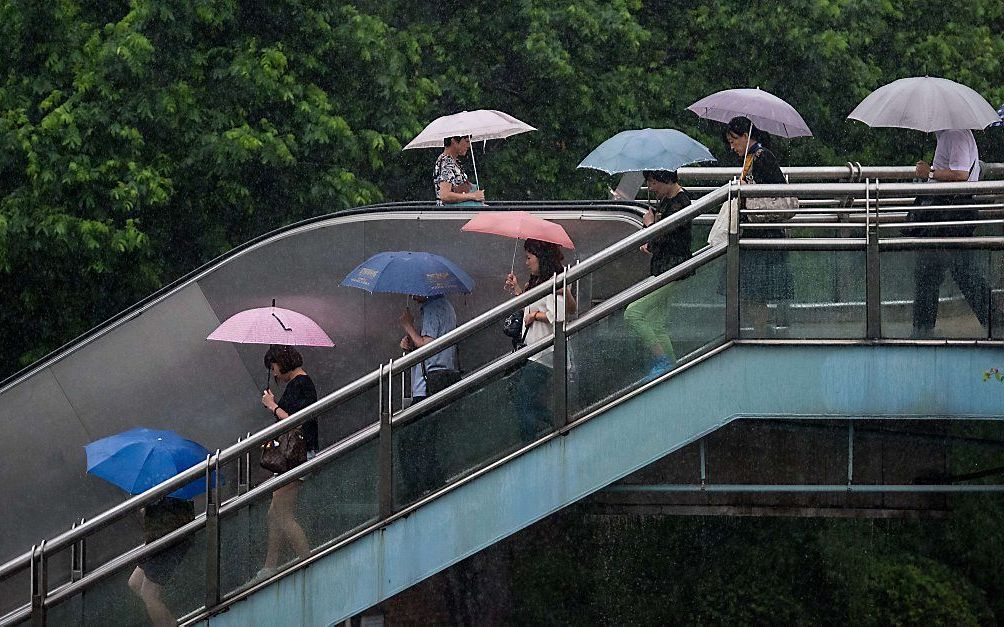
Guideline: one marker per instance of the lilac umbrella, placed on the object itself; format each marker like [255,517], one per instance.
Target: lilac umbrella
[768,112]
[271,325]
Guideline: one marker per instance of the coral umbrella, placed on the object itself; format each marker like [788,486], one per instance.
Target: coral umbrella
[519,225]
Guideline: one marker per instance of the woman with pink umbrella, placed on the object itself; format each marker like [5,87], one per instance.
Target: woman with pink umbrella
[286,365]
[543,260]
[282,329]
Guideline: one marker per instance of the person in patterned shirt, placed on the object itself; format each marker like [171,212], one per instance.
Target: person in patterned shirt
[448,177]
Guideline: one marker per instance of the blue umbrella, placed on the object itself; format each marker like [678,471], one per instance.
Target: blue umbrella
[405,272]
[138,459]
[646,149]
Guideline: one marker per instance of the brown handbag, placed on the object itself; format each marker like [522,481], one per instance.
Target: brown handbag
[287,451]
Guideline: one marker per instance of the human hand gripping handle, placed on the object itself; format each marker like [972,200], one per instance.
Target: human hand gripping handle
[268,400]
[512,284]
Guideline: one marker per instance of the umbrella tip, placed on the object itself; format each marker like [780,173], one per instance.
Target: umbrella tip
[273,302]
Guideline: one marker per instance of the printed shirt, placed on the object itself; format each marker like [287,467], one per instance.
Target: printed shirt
[447,170]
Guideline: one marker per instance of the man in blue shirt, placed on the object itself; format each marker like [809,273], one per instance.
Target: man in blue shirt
[438,318]
[420,440]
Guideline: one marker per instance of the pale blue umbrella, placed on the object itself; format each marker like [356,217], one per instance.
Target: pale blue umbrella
[646,149]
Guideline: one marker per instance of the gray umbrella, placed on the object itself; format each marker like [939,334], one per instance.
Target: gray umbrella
[925,103]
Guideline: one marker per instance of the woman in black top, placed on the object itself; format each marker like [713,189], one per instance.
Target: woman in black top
[764,275]
[286,365]
[647,315]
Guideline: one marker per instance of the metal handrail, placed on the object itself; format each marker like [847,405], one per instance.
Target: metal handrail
[359,386]
[852,171]
[372,379]
[637,207]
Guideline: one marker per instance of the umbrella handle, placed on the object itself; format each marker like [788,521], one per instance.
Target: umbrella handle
[746,152]
[475,164]
[512,266]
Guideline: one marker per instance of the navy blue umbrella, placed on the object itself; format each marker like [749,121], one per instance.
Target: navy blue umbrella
[406,272]
[138,459]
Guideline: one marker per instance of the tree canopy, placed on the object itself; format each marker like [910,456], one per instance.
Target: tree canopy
[140,139]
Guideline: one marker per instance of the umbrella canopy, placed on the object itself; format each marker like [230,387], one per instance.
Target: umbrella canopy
[646,149]
[481,125]
[1000,114]
[138,459]
[925,103]
[271,325]
[406,272]
[768,112]
[520,225]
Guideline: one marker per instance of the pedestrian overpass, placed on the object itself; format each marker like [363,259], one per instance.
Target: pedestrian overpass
[838,355]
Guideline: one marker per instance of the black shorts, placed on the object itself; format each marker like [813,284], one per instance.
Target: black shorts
[158,568]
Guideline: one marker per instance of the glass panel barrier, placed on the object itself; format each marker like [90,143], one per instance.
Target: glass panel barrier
[623,349]
[323,506]
[938,293]
[802,294]
[472,431]
[168,584]
[15,591]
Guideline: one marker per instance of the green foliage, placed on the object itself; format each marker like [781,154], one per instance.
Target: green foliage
[579,569]
[140,138]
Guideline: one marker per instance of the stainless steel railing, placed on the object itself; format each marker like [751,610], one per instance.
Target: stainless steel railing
[380,430]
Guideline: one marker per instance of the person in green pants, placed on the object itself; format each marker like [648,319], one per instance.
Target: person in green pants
[647,315]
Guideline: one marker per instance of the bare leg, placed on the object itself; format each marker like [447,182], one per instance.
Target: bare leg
[282,525]
[150,593]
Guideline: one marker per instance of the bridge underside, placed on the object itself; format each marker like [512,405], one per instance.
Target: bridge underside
[824,387]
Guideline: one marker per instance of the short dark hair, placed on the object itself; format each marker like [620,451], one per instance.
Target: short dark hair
[741,125]
[447,141]
[286,357]
[663,176]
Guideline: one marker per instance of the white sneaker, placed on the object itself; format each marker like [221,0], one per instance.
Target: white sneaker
[263,574]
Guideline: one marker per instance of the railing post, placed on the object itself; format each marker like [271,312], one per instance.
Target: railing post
[213,529]
[873,273]
[386,451]
[732,271]
[39,583]
[77,555]
[850,453]
[559,413]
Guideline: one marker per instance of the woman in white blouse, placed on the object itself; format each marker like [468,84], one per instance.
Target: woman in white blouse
[543,260]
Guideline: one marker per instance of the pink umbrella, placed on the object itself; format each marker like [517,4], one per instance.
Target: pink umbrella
[271,325]
[520,225]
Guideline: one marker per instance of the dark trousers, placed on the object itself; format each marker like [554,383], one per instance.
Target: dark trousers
[929,273]
[420,467]
[533,381]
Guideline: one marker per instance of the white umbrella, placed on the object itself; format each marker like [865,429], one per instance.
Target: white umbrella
[481,125]
[925,103]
